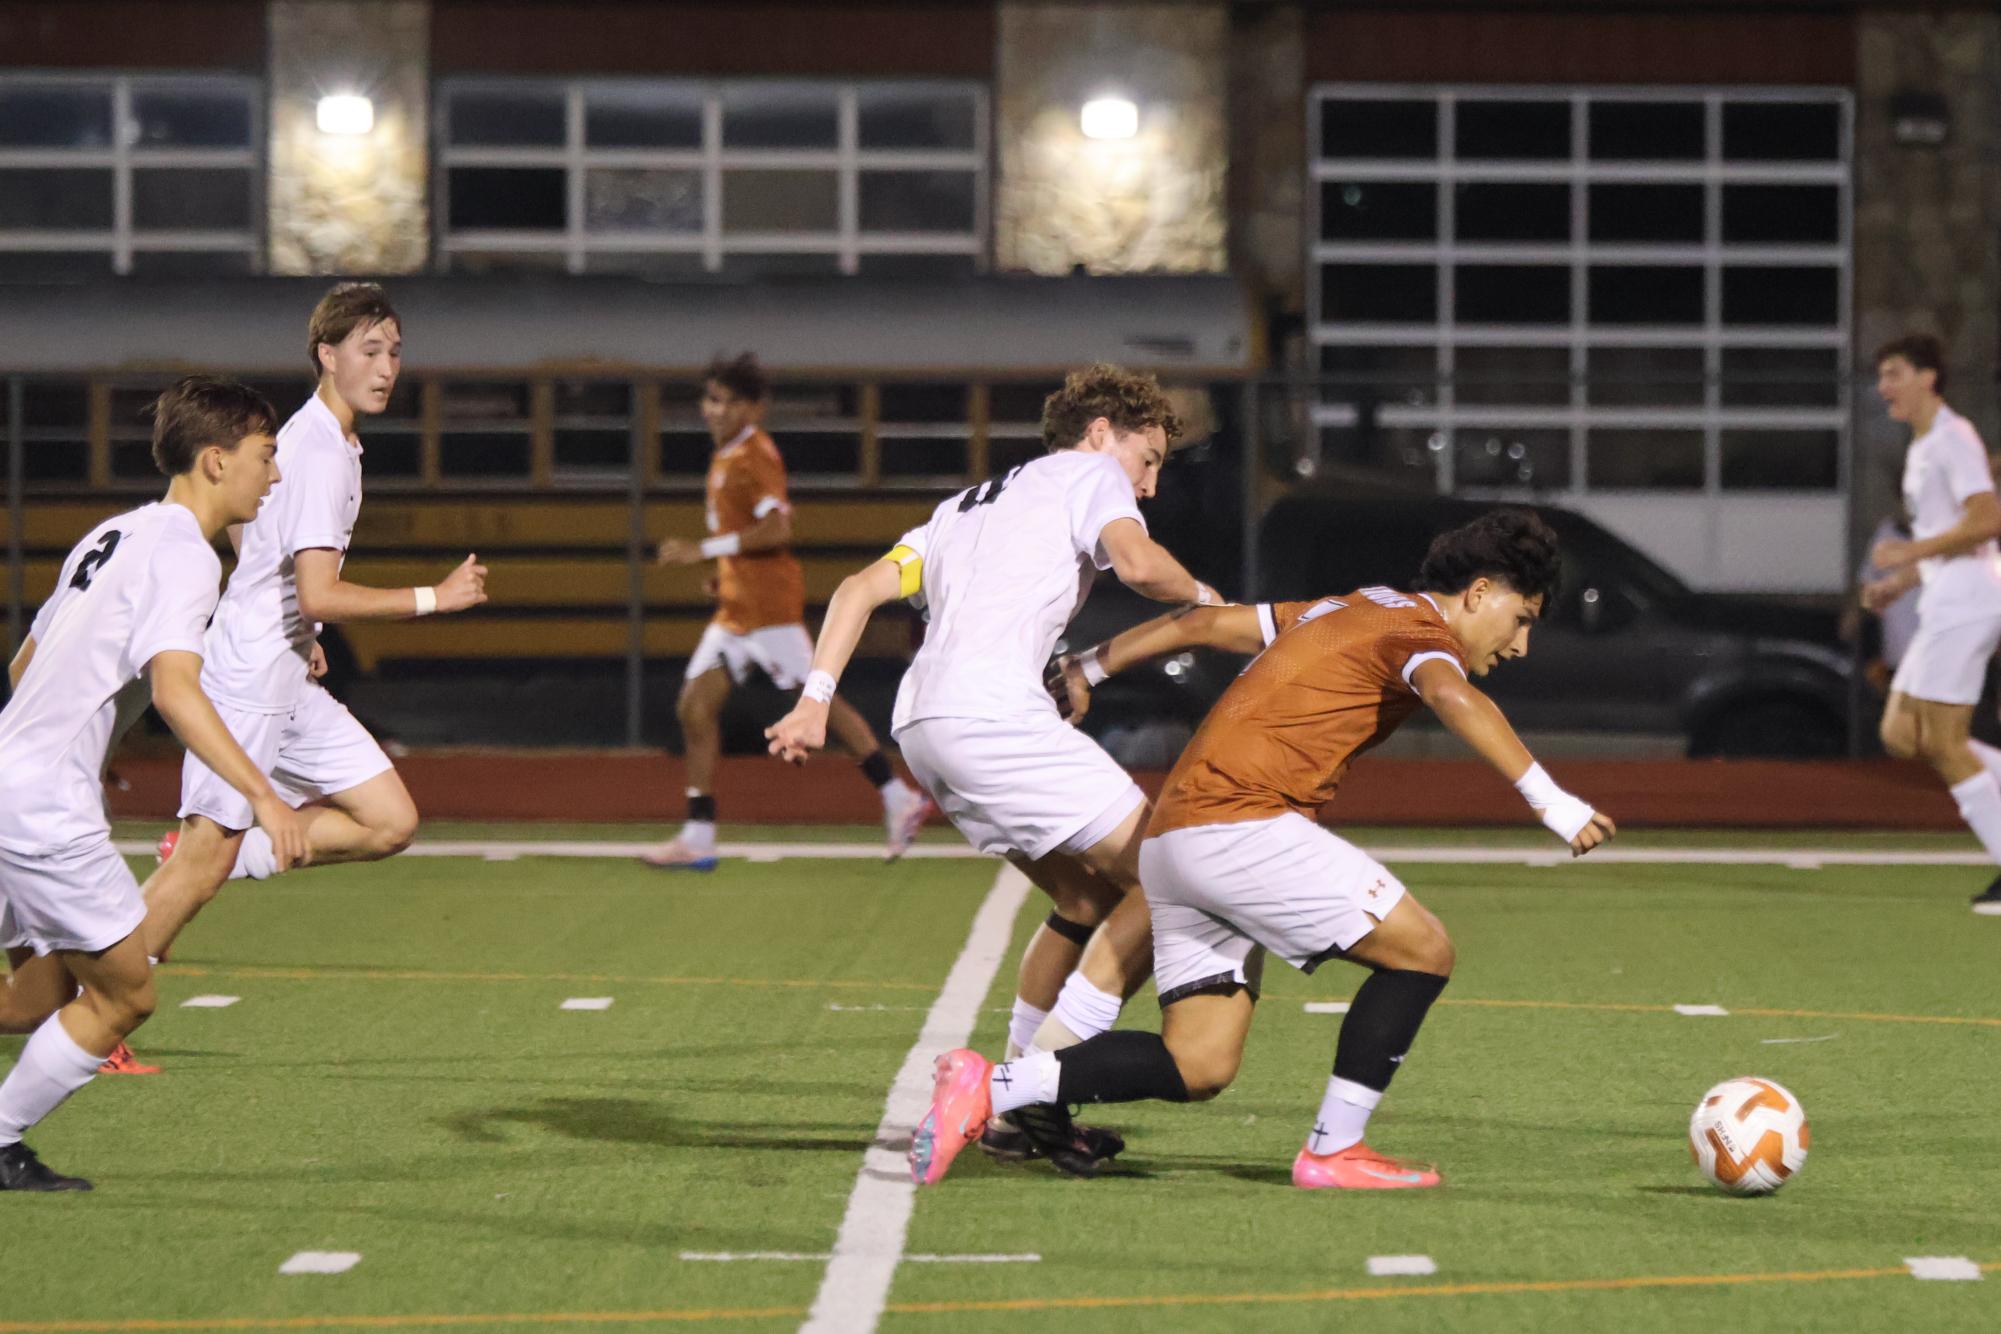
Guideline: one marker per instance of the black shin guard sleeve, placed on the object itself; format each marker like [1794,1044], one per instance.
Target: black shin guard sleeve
[1074,932]
[702,807]
[1382,1022]
[875,768]
[1121,1066]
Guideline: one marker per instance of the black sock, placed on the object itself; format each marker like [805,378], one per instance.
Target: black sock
[702,807]
[1121,1066]
[1382,1022]
[875,768]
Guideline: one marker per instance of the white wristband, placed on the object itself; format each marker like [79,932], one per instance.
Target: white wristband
[1092,664]
[726,545]
[1562,814]
[1206,596]
[819,686]
[427,600]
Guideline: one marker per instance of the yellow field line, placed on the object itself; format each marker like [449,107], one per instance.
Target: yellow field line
[362,974]
[1384,1292]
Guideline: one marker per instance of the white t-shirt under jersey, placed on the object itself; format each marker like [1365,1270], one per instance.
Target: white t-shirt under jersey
[1005,566]
[139,584]
[1945,466]
[259,646]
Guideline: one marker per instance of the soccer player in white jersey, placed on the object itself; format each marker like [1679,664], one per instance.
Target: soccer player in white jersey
[1001,569]
[1955,519]
[263,649]
[131,603]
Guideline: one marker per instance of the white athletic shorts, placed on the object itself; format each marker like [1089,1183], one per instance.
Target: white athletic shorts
[1030,786]
[782,652]
[314,751]
[1219,892]
[1948,665]
[82,897]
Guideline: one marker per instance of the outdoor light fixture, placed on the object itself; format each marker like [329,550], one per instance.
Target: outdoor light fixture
[1110,118]
[346,113]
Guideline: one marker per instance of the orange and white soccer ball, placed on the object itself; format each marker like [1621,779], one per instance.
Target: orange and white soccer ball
[1748,1135]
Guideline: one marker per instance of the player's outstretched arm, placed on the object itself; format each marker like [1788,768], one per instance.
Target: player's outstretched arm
[18,668]
[177,694]
[325,596]
[805,728]
[1475,719]
[1150,569]
[1232,628]
[768,533]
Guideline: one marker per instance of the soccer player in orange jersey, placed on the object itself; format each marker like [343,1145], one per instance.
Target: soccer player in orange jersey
[1235,863]
[760,617]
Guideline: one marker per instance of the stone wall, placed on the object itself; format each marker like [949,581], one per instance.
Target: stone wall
[1153,203]
[341,204]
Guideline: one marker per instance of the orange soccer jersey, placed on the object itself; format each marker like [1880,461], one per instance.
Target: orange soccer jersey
[1332,681]
[759,588]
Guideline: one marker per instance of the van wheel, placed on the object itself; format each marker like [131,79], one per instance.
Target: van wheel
[1772,728]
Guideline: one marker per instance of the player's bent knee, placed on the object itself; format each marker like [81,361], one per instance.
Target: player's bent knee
[396,833]
[1207,1073]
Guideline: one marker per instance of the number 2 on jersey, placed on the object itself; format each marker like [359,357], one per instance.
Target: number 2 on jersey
[93,560]
[986,494]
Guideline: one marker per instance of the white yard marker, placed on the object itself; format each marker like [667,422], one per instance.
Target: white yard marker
[1387,1266]
[870,1242]
[1781,1042]
[1701,1011]
[1954,1268]
[587,1003]
[1803,863]
[321,1262]
[1327,1007]
[209,1002]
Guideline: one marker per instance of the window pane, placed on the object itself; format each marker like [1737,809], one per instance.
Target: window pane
[191,118]
[485,429]
[60,199]
[1647,459]
[394,452]
[1382,292]
[199,198]
[1378,129]
[1780,460]
[779,118]
[899,118]
[1802,214]
[1646,213]
[643,118]
[1646,294]
[1520,375]
[1512,294]
[927,456]
[917,201]
[1497,211]
[1781,295]
[1780,377]
[509,198]
[1782,132]
[780,201]
[1643,131]
[52,116]
[1645,377]
[192,263]
[1507,457]
[22,266]
[483,454]
[523,118]
[1384,373]
[1512,129]
[618,199]
[1378,211]
[922,403]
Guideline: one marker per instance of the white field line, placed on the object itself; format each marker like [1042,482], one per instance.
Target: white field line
[870,1242]
[509,850]
[739,1257]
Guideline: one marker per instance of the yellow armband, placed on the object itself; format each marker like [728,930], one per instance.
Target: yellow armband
[910,570]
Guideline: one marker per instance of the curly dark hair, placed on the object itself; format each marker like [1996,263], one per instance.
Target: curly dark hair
[740,376]
[1924,352]
[1130,400]
[1510,546]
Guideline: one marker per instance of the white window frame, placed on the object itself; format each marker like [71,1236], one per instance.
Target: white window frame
[847,158]
[1448,413]
[122,157]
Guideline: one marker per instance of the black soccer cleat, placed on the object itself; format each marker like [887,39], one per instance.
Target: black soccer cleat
[1988,902]
[1005,1142]
[1056,1137]
[20,1169]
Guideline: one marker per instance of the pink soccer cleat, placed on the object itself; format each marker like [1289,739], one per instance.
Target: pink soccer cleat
[165,847]
[960,1106]
[121,1061]
[902,816]
[681,855]
[1358,1167]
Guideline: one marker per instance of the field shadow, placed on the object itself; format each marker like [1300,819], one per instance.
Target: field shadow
[633,1121]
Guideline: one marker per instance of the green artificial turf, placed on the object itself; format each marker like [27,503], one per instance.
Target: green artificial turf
[397,1079]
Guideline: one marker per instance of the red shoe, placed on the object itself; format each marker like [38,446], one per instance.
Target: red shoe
[1358,1167]
[960,1109]
[165,848]
[123,1062]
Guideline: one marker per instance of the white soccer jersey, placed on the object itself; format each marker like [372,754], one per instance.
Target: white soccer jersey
[259,646]
[138,585]
[1945,466]
[1005,566]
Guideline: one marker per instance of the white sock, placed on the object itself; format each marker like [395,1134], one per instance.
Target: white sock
[1344,1115]
[1979,799]
[895,792]
[51,1068]
[699,833]
[1082,1012]
[255,858]
[1031,1079]
[1021,1027]
[1988,756]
